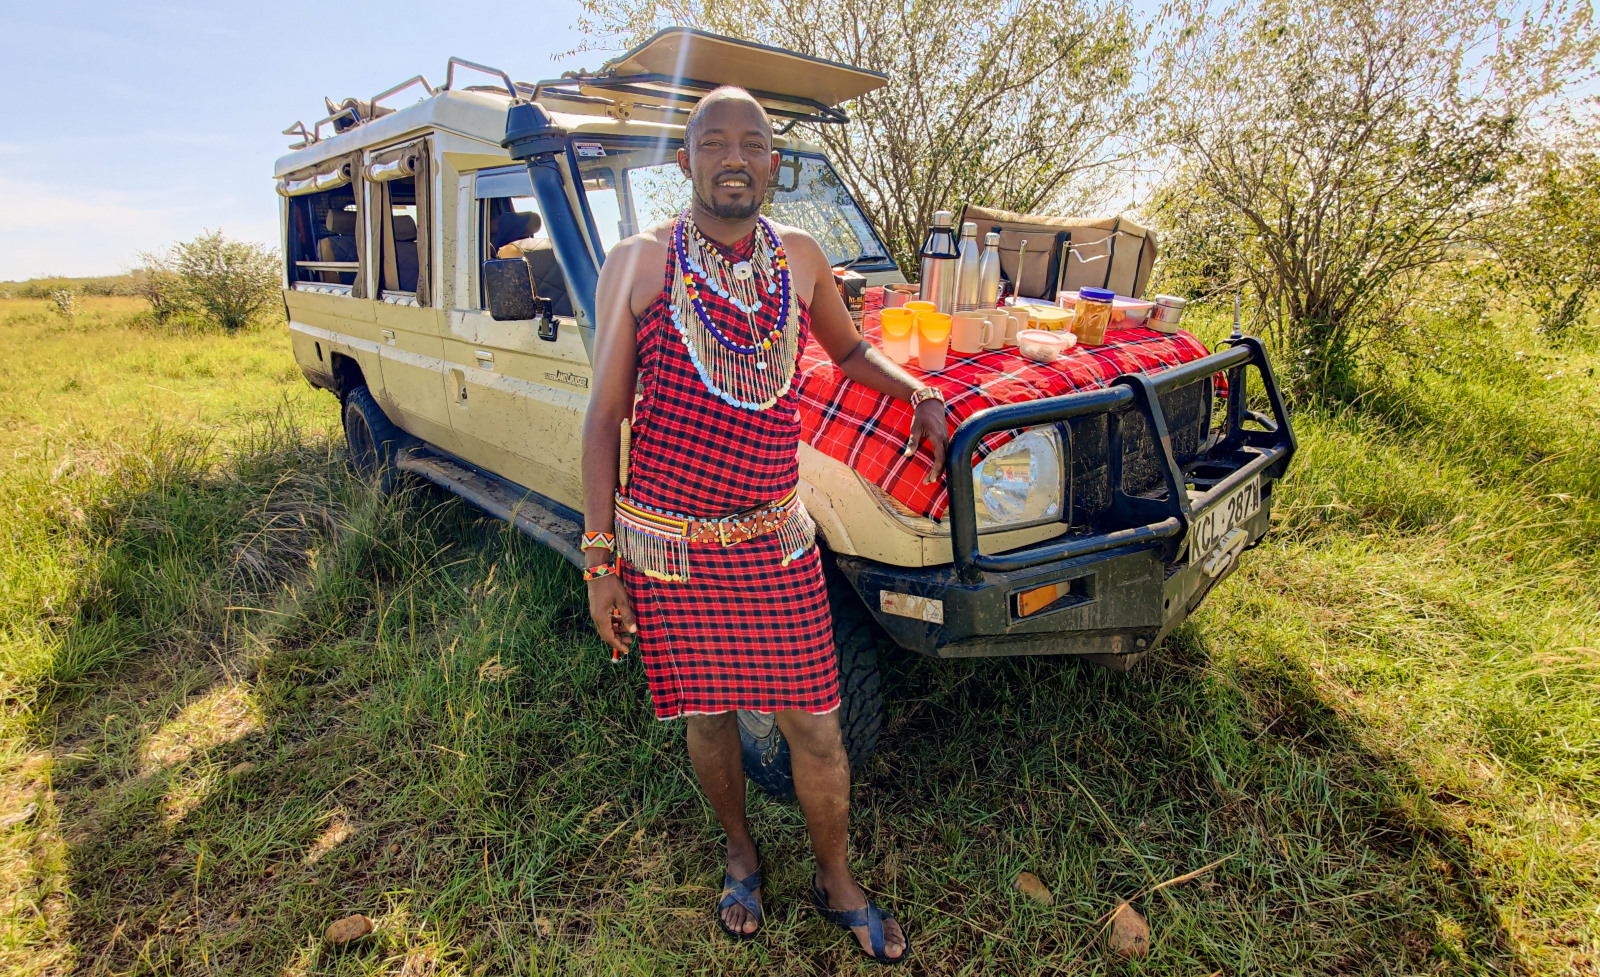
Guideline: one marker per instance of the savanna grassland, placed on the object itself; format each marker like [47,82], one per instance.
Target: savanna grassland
[244,697]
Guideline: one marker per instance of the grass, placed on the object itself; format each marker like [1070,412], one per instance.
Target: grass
[248,698]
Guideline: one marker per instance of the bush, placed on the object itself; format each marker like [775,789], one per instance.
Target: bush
[225,282]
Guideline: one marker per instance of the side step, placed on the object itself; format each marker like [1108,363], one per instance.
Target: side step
[546,520]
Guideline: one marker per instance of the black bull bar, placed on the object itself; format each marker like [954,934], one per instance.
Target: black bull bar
[1142,519]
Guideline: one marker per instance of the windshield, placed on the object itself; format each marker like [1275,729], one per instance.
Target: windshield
[630,187]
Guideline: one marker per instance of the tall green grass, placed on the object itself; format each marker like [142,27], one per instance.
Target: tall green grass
[250,697]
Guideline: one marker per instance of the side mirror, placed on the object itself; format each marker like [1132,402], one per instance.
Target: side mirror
[508,283]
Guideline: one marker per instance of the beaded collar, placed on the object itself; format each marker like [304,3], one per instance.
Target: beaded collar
[750,371]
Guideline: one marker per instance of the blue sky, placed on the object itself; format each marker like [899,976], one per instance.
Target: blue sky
[143,123]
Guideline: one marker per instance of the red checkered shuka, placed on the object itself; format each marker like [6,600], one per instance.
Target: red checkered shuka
[868,430]
[745,631]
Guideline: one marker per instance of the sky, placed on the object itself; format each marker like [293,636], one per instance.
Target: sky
[141,123]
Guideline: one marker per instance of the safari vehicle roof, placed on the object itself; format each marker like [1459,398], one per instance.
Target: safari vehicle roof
[648,90]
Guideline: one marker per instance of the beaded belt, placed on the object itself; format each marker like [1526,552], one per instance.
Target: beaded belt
[657,542]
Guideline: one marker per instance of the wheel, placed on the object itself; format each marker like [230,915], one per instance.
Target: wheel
[855,641]
[373,439]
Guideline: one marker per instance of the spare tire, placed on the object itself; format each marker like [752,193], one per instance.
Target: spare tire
[855,641]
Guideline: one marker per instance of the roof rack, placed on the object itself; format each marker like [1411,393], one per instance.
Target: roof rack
[676,67]
[518,91]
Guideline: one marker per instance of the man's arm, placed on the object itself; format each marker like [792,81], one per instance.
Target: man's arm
[610,401]
[858,359]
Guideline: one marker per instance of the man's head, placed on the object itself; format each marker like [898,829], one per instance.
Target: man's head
[728,155]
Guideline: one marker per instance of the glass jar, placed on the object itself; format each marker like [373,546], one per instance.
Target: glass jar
[1092,315]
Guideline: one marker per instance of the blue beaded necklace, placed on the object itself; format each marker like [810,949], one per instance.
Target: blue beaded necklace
[753,376]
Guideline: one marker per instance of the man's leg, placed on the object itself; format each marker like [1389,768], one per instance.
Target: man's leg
[714,750]
[822,783]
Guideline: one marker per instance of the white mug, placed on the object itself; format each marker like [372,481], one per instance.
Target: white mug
[970,332]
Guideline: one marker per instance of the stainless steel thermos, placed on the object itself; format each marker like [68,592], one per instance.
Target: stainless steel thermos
[967,269]
[939,258]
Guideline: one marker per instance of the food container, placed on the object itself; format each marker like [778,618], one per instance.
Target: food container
[1169,312]
[1092,315]
[1042,345]
[1049,317]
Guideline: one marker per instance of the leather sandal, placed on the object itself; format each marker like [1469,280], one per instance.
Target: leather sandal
[743,892]
[871,916]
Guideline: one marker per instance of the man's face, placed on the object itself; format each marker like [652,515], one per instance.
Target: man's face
[730,160]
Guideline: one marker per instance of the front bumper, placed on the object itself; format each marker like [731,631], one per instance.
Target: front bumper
[1128,576]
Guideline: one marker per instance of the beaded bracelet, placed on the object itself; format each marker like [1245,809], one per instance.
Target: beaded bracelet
[926,393]
[596,572]
[599,541]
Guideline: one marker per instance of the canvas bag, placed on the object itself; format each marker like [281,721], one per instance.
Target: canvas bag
[1067,253]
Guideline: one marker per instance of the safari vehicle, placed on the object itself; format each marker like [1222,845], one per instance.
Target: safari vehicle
[1092,536]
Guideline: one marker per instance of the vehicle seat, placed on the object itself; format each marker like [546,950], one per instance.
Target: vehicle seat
[339,244]
[405,252]
[547,278]
[512,228]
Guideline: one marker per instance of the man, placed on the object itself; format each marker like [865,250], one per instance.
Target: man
[715,570]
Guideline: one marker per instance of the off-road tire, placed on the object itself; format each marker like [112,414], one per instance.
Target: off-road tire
[373,440]
[855,641]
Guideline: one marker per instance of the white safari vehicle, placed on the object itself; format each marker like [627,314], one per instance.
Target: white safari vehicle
[472,371]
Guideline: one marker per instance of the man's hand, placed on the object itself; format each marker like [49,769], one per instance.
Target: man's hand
[929,425]
[613,618]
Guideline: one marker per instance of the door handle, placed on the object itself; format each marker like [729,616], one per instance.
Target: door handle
[485,359]
[388,336]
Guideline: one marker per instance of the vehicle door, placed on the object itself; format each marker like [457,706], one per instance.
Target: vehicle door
[404,228]
[519,387]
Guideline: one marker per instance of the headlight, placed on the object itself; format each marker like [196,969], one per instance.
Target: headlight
[1019,483]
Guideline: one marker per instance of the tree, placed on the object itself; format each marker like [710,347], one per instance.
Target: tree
[228,282]
[1547,244]
[1021,106]
[1357,143]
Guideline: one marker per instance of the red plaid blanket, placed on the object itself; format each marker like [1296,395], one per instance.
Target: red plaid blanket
[868,430]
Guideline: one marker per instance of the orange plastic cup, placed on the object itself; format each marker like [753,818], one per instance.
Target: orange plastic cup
[933,340]
[896,333]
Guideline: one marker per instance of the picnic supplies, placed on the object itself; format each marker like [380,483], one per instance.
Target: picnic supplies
[1169,312]
[868,430]
[967,269]
[1043,346]
[1068,252]
[939,258]
[989,272]
[1091,315]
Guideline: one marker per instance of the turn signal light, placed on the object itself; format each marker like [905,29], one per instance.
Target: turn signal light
[1035,600]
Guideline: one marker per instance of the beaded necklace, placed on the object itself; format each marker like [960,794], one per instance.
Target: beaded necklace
[753,374]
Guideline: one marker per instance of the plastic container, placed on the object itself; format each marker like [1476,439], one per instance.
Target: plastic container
[933,340]
[896,326]
[1043,346]
[1049,317]
[1092,315]
[1169,312]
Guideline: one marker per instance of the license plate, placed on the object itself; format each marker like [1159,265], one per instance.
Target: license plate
[1234,510]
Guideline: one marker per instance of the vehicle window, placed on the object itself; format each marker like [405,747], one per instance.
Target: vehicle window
[398,269]
[510,225]
[806,193]
[321,245]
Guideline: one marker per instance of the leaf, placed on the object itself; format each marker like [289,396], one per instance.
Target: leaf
[348,929]
[1029,885]
[1130,934]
